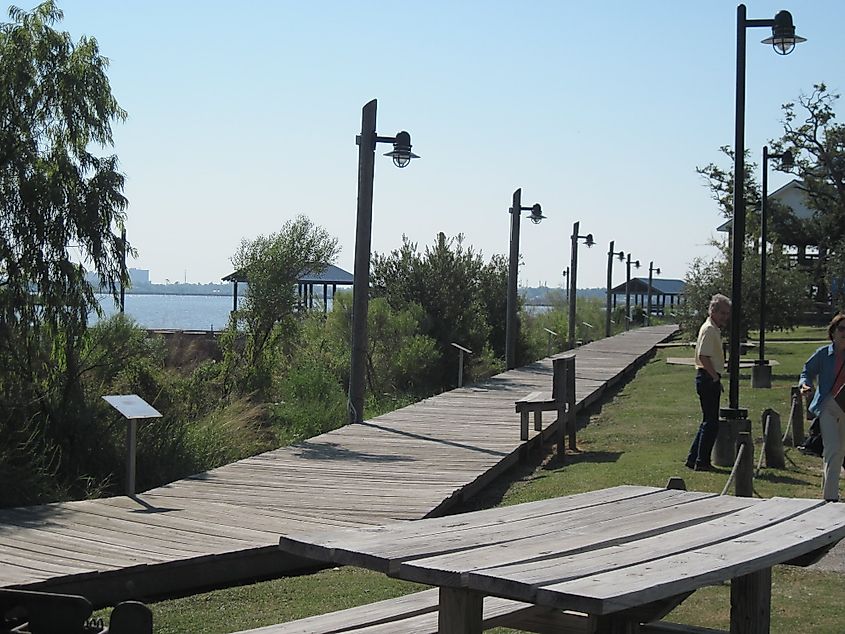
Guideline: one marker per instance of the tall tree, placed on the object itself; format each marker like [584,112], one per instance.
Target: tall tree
[61,208]
[817,142]
[272,264]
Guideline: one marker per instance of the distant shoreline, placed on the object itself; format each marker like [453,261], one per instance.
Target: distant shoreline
[170,290]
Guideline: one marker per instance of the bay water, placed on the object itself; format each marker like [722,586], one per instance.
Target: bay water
[172,312]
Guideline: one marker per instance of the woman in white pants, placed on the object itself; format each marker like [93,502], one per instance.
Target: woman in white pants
[827,366]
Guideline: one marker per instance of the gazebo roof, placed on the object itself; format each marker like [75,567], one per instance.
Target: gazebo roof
[330,275]
[639,286]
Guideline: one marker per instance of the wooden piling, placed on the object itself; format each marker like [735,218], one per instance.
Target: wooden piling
[772,440]
[744,485]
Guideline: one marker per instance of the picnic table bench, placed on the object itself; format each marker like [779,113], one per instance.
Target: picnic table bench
[612,559]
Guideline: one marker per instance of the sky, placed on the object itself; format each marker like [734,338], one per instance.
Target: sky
[243,115]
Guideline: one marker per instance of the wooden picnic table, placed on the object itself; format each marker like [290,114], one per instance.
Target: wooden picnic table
[619,557]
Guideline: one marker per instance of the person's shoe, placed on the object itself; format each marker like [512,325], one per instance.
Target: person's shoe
[836,500]
[700,466]
[689,465]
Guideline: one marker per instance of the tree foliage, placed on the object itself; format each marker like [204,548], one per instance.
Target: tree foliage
[461,297]
[817,142]
[61,207]
[269,313]
[786,291]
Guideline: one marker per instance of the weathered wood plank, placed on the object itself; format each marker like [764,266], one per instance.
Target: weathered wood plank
[712,564]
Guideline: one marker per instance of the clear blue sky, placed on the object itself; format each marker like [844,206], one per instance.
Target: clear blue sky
[242,115]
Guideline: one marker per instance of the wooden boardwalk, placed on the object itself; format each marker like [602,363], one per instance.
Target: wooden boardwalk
[223,526]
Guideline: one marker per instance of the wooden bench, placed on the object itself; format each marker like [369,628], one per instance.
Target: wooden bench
[537,402]
[417,613]
[561,400]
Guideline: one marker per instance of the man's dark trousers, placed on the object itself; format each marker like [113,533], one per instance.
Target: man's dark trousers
[709,392]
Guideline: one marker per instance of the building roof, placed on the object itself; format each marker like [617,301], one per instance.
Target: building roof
[792,195]
[331,275]
[639,286]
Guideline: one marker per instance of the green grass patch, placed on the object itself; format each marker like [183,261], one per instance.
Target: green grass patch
[639,436]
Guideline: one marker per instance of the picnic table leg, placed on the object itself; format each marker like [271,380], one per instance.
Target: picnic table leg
[751,603]
[523,425]
[460,612]
[538,420]
[612,624]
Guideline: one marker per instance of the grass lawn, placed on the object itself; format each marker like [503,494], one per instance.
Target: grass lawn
[641,436]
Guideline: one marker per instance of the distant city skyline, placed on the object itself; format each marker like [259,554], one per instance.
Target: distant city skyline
[241,117]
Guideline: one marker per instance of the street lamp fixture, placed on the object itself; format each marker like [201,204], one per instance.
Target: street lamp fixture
[783,40]
[761,373]
[513,263]
[573,277]
[402,155]
[610,255]
[651,271]
[628,263]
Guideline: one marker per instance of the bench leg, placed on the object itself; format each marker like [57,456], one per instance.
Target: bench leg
[538,421]
[561,432]
[523,425]
[751,603]
[460,612]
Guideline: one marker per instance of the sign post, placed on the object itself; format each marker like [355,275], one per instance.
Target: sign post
[132,407]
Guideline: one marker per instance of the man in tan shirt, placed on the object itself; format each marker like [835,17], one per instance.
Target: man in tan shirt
[709,363]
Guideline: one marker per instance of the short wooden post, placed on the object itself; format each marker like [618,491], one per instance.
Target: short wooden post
[560,394]
[131,450]
[523,425]
[461,611]
[724,449]
[796,416]
[744,485]
[571,423]
[538,420]
[773,441]
[461,351]
[751,603]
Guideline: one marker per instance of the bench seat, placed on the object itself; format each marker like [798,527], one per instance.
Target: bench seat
[417,614]
[536,402]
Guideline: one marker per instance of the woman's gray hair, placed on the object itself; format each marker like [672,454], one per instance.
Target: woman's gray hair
[717,299]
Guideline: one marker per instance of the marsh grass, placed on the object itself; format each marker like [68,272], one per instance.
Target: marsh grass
[639,436]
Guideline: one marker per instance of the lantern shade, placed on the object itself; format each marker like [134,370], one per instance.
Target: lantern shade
[401,152]
[783,38]
[536,213]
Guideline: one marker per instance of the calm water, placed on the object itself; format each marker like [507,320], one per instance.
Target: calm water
[179,312]
[175,312]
